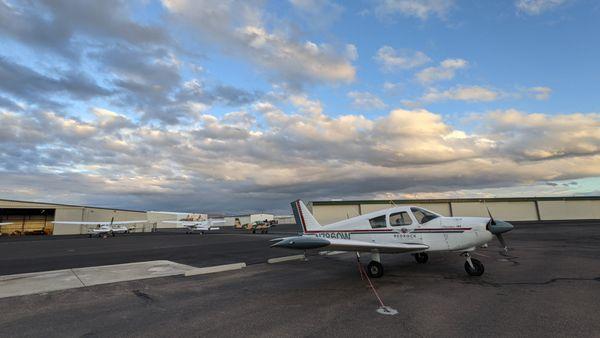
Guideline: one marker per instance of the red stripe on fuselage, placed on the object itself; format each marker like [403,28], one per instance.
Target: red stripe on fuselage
[356,230]
[439,229]
[301,216]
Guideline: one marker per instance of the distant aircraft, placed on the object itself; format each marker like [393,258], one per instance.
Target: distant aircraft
[106,228]
[1,224]
[202,226]
[403,229]
[258,226]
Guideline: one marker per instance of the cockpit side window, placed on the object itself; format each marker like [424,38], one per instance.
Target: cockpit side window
[423,216]
[378,222]
[400,219]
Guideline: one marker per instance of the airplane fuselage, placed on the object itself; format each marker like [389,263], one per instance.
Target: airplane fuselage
[440,234]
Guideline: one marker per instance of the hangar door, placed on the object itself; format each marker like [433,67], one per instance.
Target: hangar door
[27,221]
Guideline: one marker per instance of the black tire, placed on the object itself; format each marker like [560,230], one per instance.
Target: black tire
[421,257]
[253,231]
[479,268]
[375,269]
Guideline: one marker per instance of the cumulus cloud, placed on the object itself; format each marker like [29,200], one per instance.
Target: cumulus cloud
[392,60]
[366,100]
[264,158]
[56,25]
[541,136]
[461,93]
[444,71]
[536,7]
[25,83]
[421,9]
[239,27]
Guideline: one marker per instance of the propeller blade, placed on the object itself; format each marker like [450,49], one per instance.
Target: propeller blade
[491,218]
[502,242]
[111,221]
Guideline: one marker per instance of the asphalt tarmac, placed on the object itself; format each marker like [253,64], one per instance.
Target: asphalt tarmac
[549,286]
[39,253]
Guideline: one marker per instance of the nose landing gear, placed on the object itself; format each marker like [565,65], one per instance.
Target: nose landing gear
[473,266]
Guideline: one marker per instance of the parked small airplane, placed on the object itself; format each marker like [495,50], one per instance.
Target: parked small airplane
[260,226]
[106,228]
[202,226]
[1,224]
[403,229]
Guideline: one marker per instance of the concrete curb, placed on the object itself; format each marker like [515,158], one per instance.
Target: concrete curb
[285,259]
[215,269]
[331,253]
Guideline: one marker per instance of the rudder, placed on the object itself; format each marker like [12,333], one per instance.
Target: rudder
[304,218]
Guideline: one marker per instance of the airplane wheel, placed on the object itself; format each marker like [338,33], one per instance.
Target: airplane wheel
[421,257]
[254,231]
[375,269]
[479,268]
[113,234]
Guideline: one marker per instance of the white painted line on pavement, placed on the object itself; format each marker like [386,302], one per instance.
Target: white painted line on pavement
[215,269]
[285,259]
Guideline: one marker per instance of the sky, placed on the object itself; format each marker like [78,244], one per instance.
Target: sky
[239,106]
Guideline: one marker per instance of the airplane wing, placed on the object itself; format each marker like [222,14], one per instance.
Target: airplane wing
[100,223]
[303,243]
[5,223]
[353,245]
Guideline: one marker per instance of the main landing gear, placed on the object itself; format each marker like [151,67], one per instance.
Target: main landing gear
[421,257]
[375,268]
[473,266]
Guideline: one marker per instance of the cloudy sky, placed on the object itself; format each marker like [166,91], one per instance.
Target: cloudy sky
[232,106]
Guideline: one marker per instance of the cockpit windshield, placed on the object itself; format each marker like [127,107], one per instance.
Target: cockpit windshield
[423,216]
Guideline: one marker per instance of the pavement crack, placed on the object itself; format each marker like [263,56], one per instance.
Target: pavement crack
[75,274]
[547,282]
[144,296]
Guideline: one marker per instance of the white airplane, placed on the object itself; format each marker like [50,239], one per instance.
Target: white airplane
[403,229]
[202,226]
[106,228]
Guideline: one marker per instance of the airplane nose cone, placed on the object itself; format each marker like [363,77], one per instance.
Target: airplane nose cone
[499,227]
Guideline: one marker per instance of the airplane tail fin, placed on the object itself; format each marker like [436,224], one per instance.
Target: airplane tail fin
[304,218]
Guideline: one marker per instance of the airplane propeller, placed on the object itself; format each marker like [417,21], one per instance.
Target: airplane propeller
[497,228]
